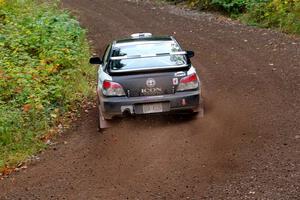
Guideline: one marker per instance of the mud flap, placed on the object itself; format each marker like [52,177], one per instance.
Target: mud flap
[200,110]
[103,123]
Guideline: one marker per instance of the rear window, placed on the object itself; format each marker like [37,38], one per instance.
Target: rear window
[146,49]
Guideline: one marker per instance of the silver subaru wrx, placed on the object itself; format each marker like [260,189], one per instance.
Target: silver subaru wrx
[146,74]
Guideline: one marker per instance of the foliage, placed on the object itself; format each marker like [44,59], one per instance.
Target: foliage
[230,6]
[276,13]
[200,4]
[43,73]
[282,14]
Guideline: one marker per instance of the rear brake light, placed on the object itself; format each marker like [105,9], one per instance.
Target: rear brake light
[110,88]
[189,78]
[188,83]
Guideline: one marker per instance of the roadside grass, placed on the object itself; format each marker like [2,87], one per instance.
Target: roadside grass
[281,15]
[278,14]
[44,74]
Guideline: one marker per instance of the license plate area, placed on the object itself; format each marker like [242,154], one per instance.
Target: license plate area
[152,108]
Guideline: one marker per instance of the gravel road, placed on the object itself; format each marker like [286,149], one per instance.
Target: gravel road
[246,146]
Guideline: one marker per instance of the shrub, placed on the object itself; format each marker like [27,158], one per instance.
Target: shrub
[199,4]
[230,6]
[284,15]
[275,13]
[43,73]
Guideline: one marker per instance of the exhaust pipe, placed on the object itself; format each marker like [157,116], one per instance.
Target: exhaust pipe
[127,112]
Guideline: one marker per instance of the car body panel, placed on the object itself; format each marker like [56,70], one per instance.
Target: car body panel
[116,106]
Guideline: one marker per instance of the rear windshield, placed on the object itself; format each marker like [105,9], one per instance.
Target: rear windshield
[144,49]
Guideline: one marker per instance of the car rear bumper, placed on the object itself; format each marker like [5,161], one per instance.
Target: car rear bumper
[116,106]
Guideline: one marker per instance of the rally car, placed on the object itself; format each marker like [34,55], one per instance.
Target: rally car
[146,74]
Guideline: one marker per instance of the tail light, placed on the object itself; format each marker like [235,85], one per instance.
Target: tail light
[188,83]
[110,88]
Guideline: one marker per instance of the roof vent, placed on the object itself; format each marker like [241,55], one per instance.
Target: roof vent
[141,35]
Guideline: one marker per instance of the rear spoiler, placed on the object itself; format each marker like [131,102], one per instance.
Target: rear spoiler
[148,56]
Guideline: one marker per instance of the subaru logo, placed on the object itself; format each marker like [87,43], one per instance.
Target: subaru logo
[150,82]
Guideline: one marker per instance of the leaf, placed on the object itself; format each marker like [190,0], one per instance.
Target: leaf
[26,107]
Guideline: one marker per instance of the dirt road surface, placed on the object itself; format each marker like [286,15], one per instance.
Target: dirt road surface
[246,146]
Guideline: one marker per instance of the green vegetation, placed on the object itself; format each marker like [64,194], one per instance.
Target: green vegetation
[281,14]
[43,74]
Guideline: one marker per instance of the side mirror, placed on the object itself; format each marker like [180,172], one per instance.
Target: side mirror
[95,60]
[190,54]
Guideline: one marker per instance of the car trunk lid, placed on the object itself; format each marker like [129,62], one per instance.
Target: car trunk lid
[149,84]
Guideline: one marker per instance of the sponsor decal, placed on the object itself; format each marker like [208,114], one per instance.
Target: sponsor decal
[175,81]
[179,74]
[151,91]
